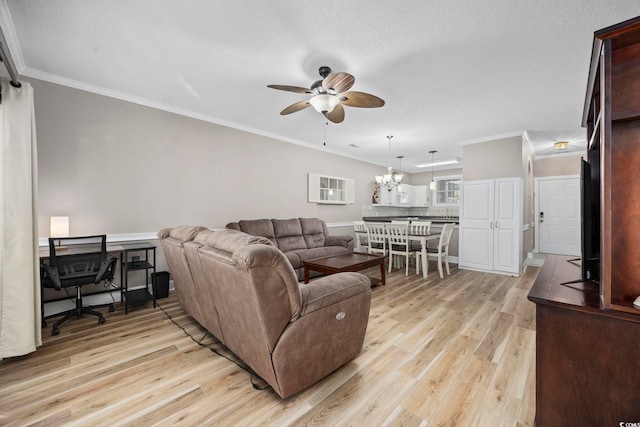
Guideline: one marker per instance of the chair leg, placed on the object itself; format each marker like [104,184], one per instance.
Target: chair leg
[406,264]
[446,260]
[440,265]
[79,311]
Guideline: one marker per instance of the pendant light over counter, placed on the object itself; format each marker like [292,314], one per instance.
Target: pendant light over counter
[432,185]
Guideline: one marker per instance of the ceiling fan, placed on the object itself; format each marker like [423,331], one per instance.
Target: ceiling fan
[329,95]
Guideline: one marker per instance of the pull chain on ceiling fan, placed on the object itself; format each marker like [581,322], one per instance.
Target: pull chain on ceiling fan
[329,95]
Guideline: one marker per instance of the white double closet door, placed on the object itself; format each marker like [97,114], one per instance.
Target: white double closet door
[491,225]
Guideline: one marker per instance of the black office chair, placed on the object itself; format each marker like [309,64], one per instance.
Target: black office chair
[74,262]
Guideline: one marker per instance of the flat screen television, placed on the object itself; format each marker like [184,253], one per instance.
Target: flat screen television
[590,224]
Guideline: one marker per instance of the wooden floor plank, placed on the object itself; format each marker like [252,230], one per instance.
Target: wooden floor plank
[452,351]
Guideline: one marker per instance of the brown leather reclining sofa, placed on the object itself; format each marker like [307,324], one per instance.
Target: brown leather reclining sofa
[299,239]
[244,291]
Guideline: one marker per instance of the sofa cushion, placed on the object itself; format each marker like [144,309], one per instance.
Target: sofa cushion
[314,232]
[229,240]
[259,227]
[306,254]
[288,233]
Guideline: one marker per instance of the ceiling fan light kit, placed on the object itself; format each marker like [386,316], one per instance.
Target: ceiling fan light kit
[329,95]
[324,103]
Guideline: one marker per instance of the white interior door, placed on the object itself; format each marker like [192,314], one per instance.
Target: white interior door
[559,216]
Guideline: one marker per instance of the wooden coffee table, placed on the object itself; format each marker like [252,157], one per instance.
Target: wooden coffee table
[355,261]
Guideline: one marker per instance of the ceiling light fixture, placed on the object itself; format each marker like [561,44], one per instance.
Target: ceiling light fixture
[561,145]
[400,170]
[432,185]
[324,103]
[391,179]
[452,161]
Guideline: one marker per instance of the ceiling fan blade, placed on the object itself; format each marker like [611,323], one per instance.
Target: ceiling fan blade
[295,107]
[361,99]
[336,115]
[339,82]
[296,89]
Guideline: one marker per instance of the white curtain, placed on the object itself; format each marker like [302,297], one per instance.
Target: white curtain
[20,318]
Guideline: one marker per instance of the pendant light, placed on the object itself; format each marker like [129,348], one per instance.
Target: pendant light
[432,186]
[400,171]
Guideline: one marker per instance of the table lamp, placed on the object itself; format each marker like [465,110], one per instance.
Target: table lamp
[59,227]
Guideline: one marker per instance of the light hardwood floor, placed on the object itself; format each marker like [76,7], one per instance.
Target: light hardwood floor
[458,351]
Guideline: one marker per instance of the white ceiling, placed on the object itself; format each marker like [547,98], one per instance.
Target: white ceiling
[451,71]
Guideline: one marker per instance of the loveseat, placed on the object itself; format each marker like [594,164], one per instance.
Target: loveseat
[300,239]
[244,291]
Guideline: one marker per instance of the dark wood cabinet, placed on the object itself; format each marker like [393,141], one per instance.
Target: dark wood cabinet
[612,118]
[588,333]
[587,358]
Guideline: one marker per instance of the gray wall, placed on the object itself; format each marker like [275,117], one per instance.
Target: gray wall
[493,159]
[557,166]
[424,178]
[115,167]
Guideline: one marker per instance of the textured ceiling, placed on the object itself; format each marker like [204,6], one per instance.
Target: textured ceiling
[450,71]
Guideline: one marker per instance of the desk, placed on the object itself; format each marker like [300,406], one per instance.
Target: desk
[112,249]
[115,249]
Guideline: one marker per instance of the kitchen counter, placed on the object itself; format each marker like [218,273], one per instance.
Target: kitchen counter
[433,219]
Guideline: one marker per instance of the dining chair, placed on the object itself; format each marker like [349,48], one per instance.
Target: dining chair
[360,232]
[441,253]
[419,227]
[376,237]
[398,235]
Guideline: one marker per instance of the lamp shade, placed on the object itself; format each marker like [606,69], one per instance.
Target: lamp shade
[59,226]
[324,103]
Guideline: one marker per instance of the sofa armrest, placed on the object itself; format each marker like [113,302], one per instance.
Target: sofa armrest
[331,289]
[344,240]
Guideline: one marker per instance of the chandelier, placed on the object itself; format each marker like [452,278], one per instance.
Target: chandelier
[391,179]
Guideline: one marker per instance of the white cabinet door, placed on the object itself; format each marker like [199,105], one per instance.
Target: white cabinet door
[508,225]
[421,198]
[490,225]
[387,197]
[476,225]
[407,195]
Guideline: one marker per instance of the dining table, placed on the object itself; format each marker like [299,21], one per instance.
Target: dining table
[422,238]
